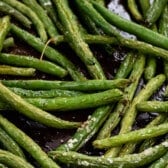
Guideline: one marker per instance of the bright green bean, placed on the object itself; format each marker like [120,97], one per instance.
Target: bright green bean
[29,13]
[29,61]
[133,136]
[27,143]
[33,112]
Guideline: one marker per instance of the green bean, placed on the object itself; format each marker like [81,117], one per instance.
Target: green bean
[75,40]
[29,13]
[88,10]
[16,71]
[101,2]
[9,144]
[153,106]
[51,53]
[80,102]
[126,66]
[131,27]
[29,61]
[154,11]
[45,93]
[134,10]
[128,161]
[73,103]
[12,160]
[88,85]
[7,9]
[49,7]
[33,112]
[41,13]
[133,136]
[27,143]
[9,42]
[4,29]
[164,30]
[160,163]
[122,105]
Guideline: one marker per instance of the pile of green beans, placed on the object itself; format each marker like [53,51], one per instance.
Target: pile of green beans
[42,83]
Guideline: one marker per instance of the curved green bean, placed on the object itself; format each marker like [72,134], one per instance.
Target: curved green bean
[13,161]
[154,11]
[4,29]
[7,9]
[9,144]
[49,52]
[29,13]
[128,161]
[29,61]
[134,10]
[87,85]
[16,71]
[27,143]
[41,13]
[33,112]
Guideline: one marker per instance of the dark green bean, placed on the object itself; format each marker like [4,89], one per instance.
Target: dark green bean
[27,143]
[13,161]
[128,161]
[4,29]
[154,11]
[41,13]
[16,71]
[51,53]
[29,13]
[29,61]
[7,9]
[133,28]
[88,85]
[9,144]
[144,4]
[33,112]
